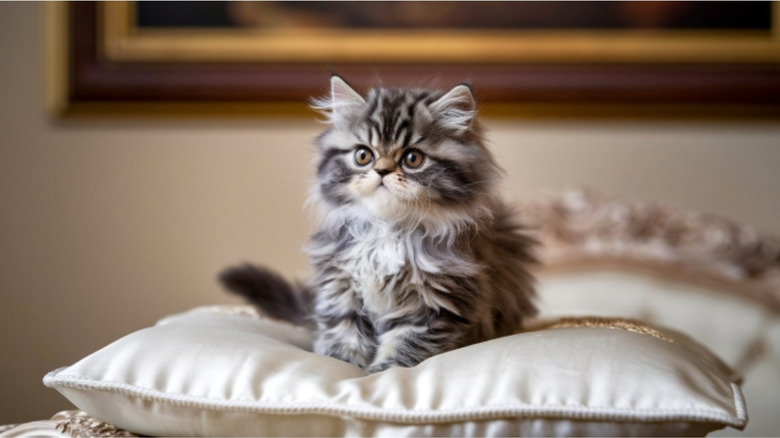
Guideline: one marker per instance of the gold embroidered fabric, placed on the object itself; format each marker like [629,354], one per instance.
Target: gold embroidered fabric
[65,424]
[610,323]
[81,424]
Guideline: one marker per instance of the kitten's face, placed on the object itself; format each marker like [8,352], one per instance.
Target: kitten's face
[403,153]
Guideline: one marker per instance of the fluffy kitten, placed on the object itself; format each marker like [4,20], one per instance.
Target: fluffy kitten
[416,254]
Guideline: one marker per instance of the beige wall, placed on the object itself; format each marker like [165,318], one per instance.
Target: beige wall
[107,226]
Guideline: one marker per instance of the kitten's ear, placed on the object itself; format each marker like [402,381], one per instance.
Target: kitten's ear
[342,95]
[457,108]
[341,103]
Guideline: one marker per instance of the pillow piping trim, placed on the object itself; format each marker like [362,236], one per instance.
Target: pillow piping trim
[59,381]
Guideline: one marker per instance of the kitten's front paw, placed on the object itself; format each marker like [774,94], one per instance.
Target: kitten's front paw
[375,368]
[348,353]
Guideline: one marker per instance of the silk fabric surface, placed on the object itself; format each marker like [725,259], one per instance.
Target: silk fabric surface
[210,373]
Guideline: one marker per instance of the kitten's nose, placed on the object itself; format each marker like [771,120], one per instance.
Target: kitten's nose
[383,172]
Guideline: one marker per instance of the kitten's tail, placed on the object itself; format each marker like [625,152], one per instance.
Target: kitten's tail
[274,295]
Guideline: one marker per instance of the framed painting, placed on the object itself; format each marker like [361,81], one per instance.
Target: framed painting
[621,58]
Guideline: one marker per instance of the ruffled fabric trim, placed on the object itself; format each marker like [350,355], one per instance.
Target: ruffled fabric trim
[582,227]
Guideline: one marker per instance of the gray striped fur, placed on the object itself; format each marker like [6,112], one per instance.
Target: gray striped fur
[410,262]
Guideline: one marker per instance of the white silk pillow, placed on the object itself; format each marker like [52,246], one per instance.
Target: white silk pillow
[209,373]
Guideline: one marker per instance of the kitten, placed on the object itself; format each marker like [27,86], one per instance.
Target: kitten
[416,254]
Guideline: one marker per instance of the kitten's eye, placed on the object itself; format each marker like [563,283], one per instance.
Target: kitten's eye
[413,159]
[363,156]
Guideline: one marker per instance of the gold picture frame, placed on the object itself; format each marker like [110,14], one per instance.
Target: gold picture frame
[125,42]
[108,65]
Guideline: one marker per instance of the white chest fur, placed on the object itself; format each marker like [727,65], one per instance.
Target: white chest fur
[375,259]
[377,254]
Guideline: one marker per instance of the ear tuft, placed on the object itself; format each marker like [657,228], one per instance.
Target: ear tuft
[457,108]
[342,101]
[342,94]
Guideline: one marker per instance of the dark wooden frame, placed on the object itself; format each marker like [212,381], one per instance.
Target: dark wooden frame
[97,85]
